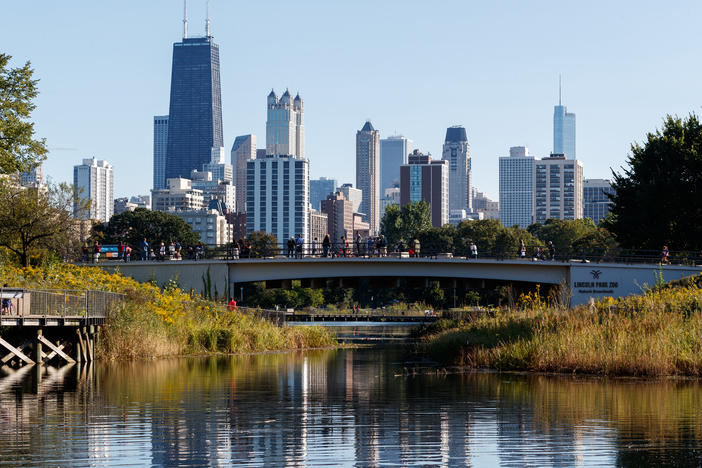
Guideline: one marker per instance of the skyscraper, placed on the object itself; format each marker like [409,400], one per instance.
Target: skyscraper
[393,154]
[424,179]
[368,174]
[285,129]
[244,148]
[517,188]
[195,113]
[563,129]
[596,203]
[319,189]
[558,184]
[160,146]
[94,180]
[457,153]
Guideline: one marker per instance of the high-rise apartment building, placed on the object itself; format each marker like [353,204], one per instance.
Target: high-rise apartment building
[94,181]
[394,151]
[596,203]
[425,179]
[558,188]
[217,193]
[220,169]
[318,228]
[354,195]
[563,129]
[195,112]
[457,152]
[33,178]
[160,146]
[278,196]
[243,149]
[319,189]
[339,211]
[285,129]
[517,188]
[178,196]
[368,174]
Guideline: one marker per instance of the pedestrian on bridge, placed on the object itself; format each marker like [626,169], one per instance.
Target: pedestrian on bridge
[326,244]
[551,251]
[473,250]
[144,250]
[416,246]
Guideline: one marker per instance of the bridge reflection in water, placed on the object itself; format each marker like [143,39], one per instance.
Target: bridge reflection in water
[347,407]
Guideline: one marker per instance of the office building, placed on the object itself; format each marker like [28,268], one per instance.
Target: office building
[391,197]
[394,151]
[354,195]
[285,130]
[425,179]
[94,181]
[220,169]
[178,196]
[123,204]
[141,201]
[558,188]
[319,189]
[318,227]
[216,193]
[261,153]
[563,129]
[517,188]
[596,203]
[243,149]
[212,226]
[33,178]
[483,204]
[160,148]
[368,174]
[339,211]
[457,152]
[278,196]
[195,112]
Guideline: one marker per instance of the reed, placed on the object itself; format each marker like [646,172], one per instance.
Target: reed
[156,322]
[656,333]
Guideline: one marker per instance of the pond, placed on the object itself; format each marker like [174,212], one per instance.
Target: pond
[349,407]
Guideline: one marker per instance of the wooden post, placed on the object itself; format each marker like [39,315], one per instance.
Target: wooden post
[37,348]
[88,345]
[16,352]
[82,345]
[76,351]
[92,342]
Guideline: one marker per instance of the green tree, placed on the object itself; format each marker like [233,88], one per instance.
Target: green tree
[564,234]
[658,198]
[36,220]
[483,232]
[263,244]
[156,226]
[437,240]
[19,151]
[403,224]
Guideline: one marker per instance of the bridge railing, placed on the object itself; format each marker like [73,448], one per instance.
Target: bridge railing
[272,315]
[57,302]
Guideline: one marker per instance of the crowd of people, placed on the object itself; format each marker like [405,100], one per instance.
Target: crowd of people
[145,252]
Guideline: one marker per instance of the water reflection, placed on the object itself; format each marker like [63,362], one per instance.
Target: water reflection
[349,407]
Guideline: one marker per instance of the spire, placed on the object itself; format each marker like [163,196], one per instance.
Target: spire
[207,22]
[185,19]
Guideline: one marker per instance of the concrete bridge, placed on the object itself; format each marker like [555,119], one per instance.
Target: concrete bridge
[585,280]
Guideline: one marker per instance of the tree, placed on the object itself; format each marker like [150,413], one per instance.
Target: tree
[658,199]
[263,244]
[437,240]
[483,232]
[19,151]
[35,219]
[156,226]
[403,224]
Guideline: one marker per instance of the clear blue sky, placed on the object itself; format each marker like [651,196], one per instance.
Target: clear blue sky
[414,67]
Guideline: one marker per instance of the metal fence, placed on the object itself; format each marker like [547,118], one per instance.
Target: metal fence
[58,302]
[275,316]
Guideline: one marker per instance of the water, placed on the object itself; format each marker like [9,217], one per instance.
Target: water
[363,407]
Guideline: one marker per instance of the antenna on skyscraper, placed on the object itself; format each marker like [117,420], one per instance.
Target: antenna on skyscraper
[185,19]
[559,89]
[207,22]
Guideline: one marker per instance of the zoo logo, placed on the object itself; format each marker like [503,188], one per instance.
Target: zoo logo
[595,274]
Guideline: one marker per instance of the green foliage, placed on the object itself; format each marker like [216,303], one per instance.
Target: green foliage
[36,222]
[658,198]
[19,151]
[263,244]
[402,224]
[156,226]
[570,237]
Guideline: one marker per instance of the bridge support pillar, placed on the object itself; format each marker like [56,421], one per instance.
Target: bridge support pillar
[285,284]
[37,348]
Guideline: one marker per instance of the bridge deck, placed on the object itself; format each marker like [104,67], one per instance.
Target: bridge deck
[49,321]
[297,317]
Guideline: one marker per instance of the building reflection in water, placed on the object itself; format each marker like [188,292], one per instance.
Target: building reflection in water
[350,407]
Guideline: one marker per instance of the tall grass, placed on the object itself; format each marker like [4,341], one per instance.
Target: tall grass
[653,334]
[154,322]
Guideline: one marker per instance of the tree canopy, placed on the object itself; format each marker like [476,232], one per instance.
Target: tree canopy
[658,198]
[36,220]
[156,226]
[19,150]
[402,224]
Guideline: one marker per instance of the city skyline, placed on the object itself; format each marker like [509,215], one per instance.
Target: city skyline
[604,77]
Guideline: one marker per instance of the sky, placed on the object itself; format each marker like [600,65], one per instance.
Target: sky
[411,67]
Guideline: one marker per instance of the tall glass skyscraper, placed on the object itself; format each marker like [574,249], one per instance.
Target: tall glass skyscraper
[394,151]
[457,152]
[563,129]
[160,145]
[195,114]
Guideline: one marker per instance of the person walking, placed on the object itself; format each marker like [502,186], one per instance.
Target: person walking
[416,246]
[144,250]
[162,252]
[382,246]
[522,249]
[344,246]
[291,247]
[551,251]
[326,244]
[298,246]
[314,247]
[97,248]
[127,253]
[473,250]
[358,244]
[664,255]
[120,250]
[86,253]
